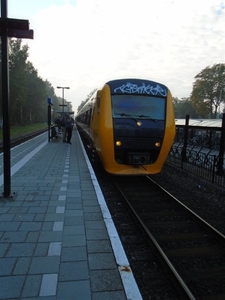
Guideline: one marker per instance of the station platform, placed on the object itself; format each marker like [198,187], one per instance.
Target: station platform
[57,237]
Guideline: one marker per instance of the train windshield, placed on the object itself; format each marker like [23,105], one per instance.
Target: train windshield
[144,106]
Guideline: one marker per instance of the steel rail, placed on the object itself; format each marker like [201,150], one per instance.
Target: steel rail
[182,287]
[217,234]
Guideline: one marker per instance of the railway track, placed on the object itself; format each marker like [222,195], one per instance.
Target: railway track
[191,250]
[20,139]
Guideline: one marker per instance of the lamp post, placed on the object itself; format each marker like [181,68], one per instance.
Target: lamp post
[63,88]
[68,105]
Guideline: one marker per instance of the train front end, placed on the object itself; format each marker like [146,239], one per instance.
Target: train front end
[141,118]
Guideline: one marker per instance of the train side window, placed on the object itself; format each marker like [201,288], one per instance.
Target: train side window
[85,117]
[92,115]
[89,117]
[98,104]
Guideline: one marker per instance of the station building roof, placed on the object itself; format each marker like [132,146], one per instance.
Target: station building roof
[208,123]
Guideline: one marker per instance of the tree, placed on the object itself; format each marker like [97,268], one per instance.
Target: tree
[183,107]
[28,92]
[35,105]
[17,79]
[207,93]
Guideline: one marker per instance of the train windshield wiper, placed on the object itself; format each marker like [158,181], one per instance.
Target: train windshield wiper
[123,115]
[146,117]
[135,117]
[127,115]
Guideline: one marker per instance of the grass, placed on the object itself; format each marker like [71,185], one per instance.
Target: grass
[16,131]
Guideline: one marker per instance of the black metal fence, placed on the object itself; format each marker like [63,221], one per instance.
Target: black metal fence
[200,161]
[201,153]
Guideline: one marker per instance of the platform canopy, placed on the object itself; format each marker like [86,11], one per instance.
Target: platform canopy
[210,123]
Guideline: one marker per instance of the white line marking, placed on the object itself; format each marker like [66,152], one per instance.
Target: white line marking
[49,285]
[23,161]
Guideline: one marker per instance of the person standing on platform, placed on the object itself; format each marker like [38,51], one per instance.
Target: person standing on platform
[62,123]
[69,128]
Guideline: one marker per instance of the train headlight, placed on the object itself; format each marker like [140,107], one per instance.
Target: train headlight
[139,123]
[157,144]
[118,143]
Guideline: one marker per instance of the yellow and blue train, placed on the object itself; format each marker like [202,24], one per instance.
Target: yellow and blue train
[131,125]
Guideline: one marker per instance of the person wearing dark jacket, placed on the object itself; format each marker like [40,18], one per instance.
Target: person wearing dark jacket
[69,128]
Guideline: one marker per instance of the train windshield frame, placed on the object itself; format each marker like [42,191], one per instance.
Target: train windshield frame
[138,106]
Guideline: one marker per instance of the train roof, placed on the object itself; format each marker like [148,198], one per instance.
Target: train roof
[200,123]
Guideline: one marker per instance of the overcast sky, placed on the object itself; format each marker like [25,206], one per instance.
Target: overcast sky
[84,43]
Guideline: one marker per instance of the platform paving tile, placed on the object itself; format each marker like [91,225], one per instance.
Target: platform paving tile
[78,289]
[93,234]
[101,261]
[95,224]
[105,280]
[32,237]
[54,217]
[6,284]
[7,217]
[25,217]
[52,209]
[44,265]
[68,221]
[6,266]
[74,200]
[115,295]
[41,249]
[101,246]
[55,202]
[37,210]
[18,210]
[9,226]
[22,266]
[50,236]
[75,270]
[72,205]
[29,226]
[39,218]
[57,226]
[93,216]
[92,209]
[73,254]
[75,240]
[12,236]
[20,249]
[87,203]
[74,229]
[3,249]
[32,286]
[74,213]
[49,285]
